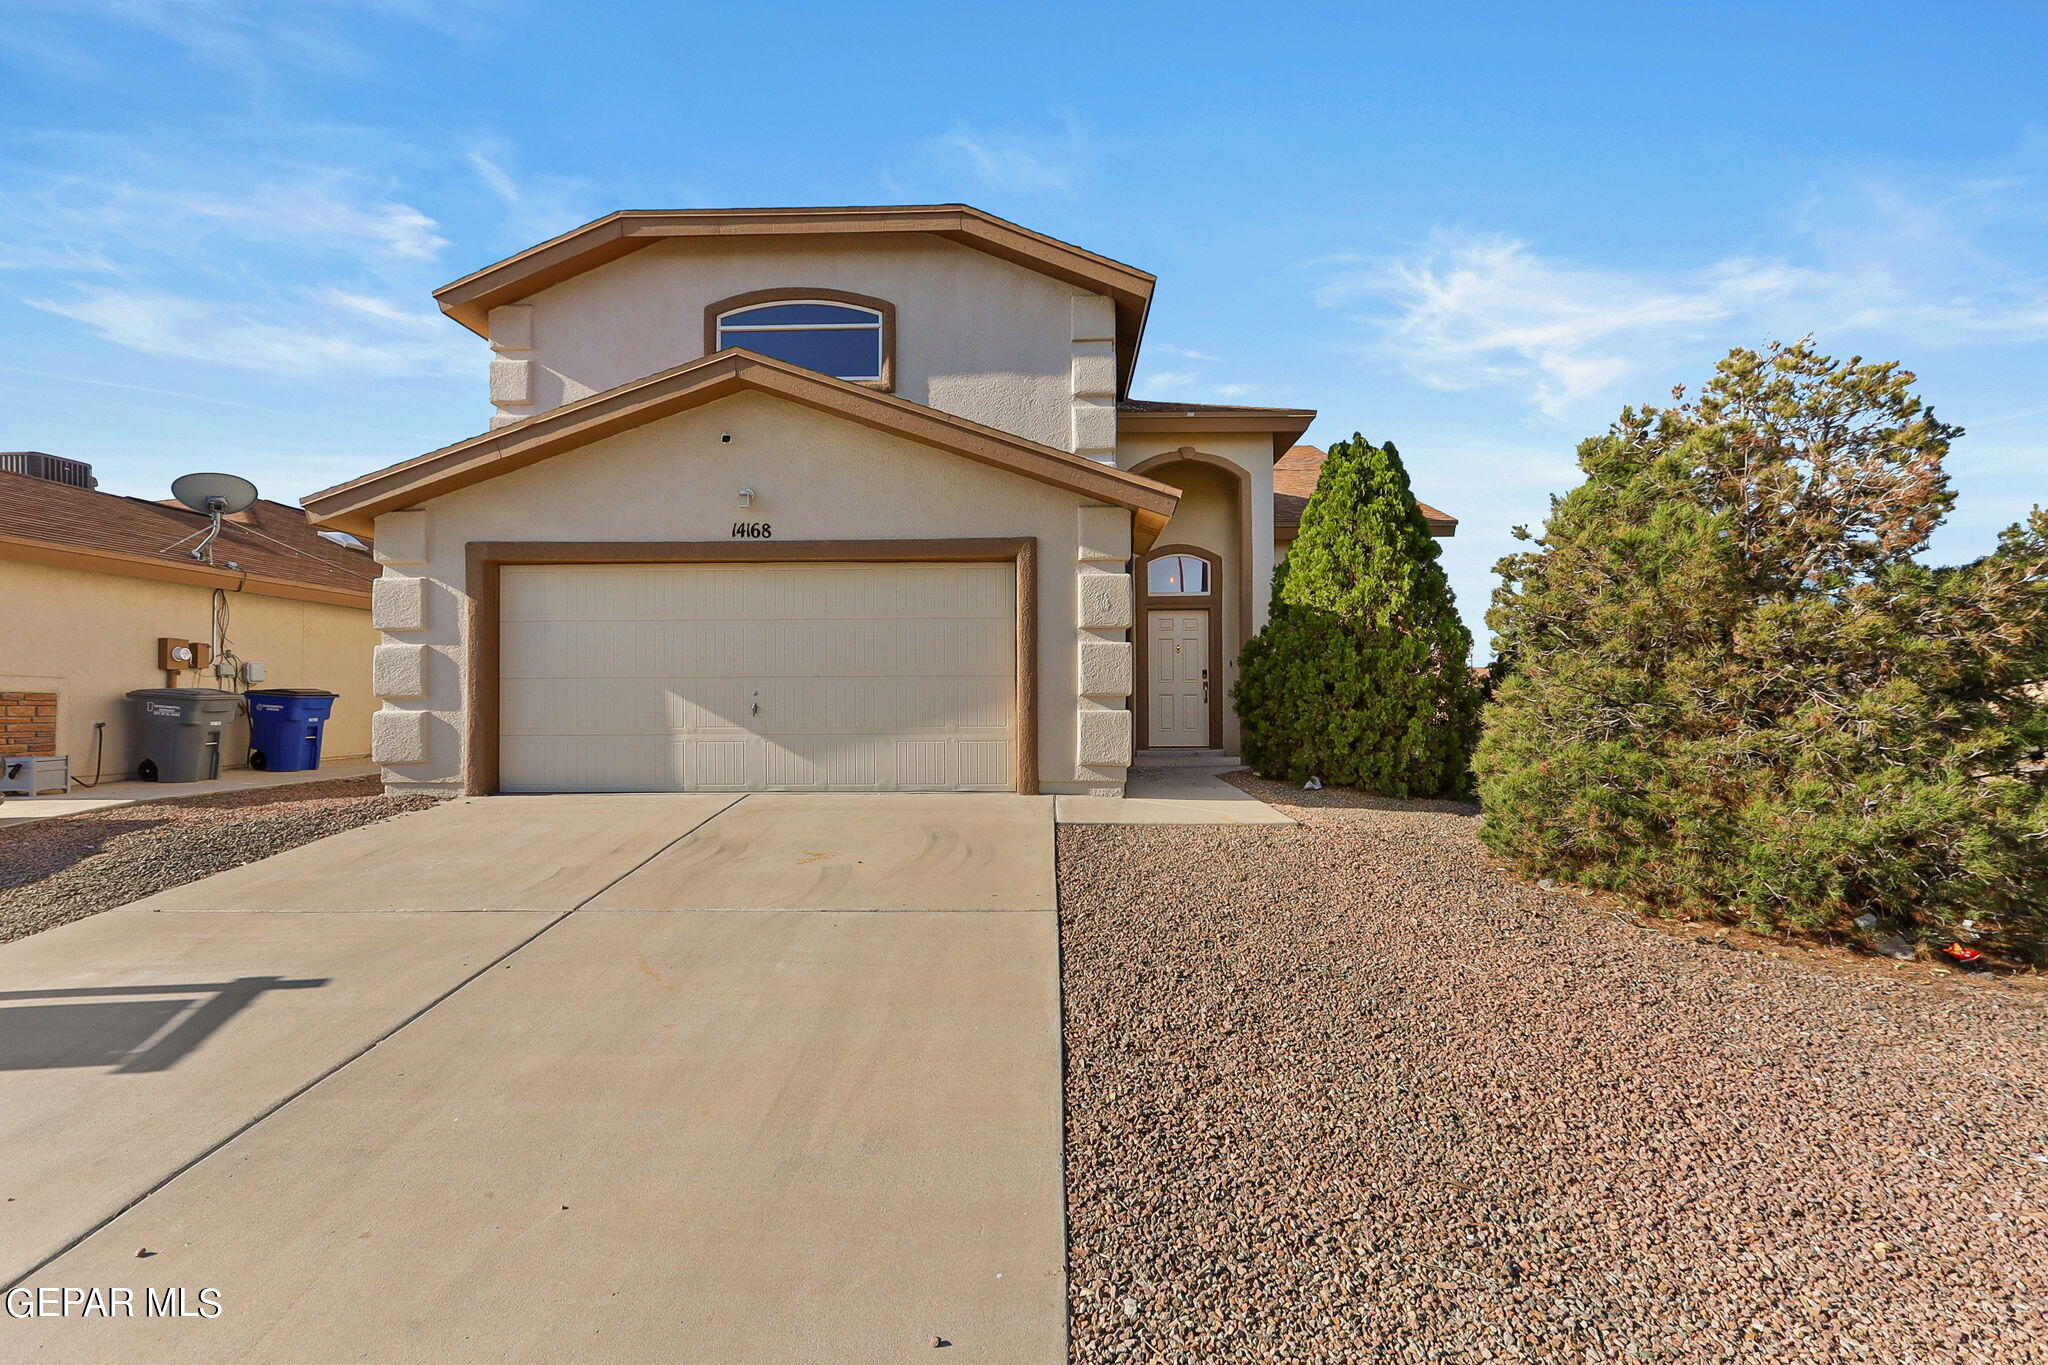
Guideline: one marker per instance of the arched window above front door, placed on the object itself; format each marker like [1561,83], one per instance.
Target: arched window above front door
[1177,576]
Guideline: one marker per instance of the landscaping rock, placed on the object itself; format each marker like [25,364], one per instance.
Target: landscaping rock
[63,869]
[1345,1092]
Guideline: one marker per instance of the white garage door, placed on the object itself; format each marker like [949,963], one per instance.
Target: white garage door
[758,677]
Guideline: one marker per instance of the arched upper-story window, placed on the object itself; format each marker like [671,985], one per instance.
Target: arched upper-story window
[849,336]
[1177,576]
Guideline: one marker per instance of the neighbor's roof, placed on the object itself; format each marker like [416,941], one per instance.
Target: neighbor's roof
[276,546]
[1144,414]
[354,506]
[1294,480]
[470,299]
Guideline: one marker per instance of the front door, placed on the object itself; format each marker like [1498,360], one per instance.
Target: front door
[1177,655]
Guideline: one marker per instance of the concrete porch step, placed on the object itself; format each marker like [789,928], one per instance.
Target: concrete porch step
[1185,758]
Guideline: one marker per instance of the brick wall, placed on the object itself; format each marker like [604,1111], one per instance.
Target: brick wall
[28,722]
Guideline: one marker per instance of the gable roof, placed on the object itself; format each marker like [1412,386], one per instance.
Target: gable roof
[279,553]
[470,299]
[1294,482]
[1145,414]
[354,506]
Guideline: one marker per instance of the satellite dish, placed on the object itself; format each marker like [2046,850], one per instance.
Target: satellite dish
[218,493]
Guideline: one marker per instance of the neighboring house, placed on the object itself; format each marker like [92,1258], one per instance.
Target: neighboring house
[1295,476]
[91,582]
[813,499]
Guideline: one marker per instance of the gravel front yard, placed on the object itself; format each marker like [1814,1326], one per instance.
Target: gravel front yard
[1343,1093]
[56,871]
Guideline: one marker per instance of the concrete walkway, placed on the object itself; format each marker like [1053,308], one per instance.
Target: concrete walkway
[22,810]
[827,1130]
[1183,792]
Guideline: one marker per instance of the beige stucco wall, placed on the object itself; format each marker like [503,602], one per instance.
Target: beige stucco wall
[815,477]
[975,335]
[1208,518]
[91,637]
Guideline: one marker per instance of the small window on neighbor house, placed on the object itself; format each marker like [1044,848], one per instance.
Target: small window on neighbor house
[839,339]
[1178,574]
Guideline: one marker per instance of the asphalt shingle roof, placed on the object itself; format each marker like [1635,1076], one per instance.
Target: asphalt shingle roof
[1294,481]
[269,539]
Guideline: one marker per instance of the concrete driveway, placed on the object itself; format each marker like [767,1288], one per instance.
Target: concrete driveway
[716,1078]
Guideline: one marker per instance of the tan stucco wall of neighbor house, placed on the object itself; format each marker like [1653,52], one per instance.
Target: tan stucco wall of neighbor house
[92,637]
[974,335]
[1208,518]
[815,477]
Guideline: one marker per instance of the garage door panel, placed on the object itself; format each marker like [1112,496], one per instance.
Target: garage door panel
[758,677]
[622,706]
[980,703]
[599,763]
[924,765]
[718,765]
[984,763]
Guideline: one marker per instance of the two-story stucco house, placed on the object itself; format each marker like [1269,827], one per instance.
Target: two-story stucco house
[813,499]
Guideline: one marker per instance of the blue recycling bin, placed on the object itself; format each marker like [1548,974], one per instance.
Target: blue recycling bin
[285,725]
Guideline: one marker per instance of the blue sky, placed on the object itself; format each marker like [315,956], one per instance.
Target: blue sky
[1473,229]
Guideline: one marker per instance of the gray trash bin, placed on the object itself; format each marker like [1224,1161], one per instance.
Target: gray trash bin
[178,731]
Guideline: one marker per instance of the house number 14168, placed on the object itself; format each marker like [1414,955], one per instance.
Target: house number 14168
[752,530]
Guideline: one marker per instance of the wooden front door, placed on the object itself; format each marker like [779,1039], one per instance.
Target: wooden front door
[1177,657]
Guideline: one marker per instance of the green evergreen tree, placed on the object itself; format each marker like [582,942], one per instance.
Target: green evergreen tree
[1736,691]
[1362,674]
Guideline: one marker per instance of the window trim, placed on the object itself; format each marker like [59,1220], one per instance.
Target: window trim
[1209,570]
[715,312]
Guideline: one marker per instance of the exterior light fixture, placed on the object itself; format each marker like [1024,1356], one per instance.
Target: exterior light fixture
[746,497]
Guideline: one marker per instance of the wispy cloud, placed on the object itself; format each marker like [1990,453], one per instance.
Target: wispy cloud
[1866,264]
[1156,382]
[1190,383]
[1011,160]
[316,210]
[1467,311]
[250,40]
[319,333]
[277,267]
[140,210]
[537,207]
[183,396]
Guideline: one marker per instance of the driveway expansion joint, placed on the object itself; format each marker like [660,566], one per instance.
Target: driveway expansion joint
[272,1109]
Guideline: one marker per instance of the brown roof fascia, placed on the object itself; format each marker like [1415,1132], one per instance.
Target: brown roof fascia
[1441,525]
[22,549]
[354,506]
[1286,424]
[470,299]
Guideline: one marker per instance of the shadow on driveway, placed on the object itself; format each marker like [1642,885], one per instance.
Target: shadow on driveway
[128,1034]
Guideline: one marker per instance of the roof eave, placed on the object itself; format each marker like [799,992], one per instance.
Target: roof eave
[1285,424]
[469,300]
[355,505]
[28,550]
